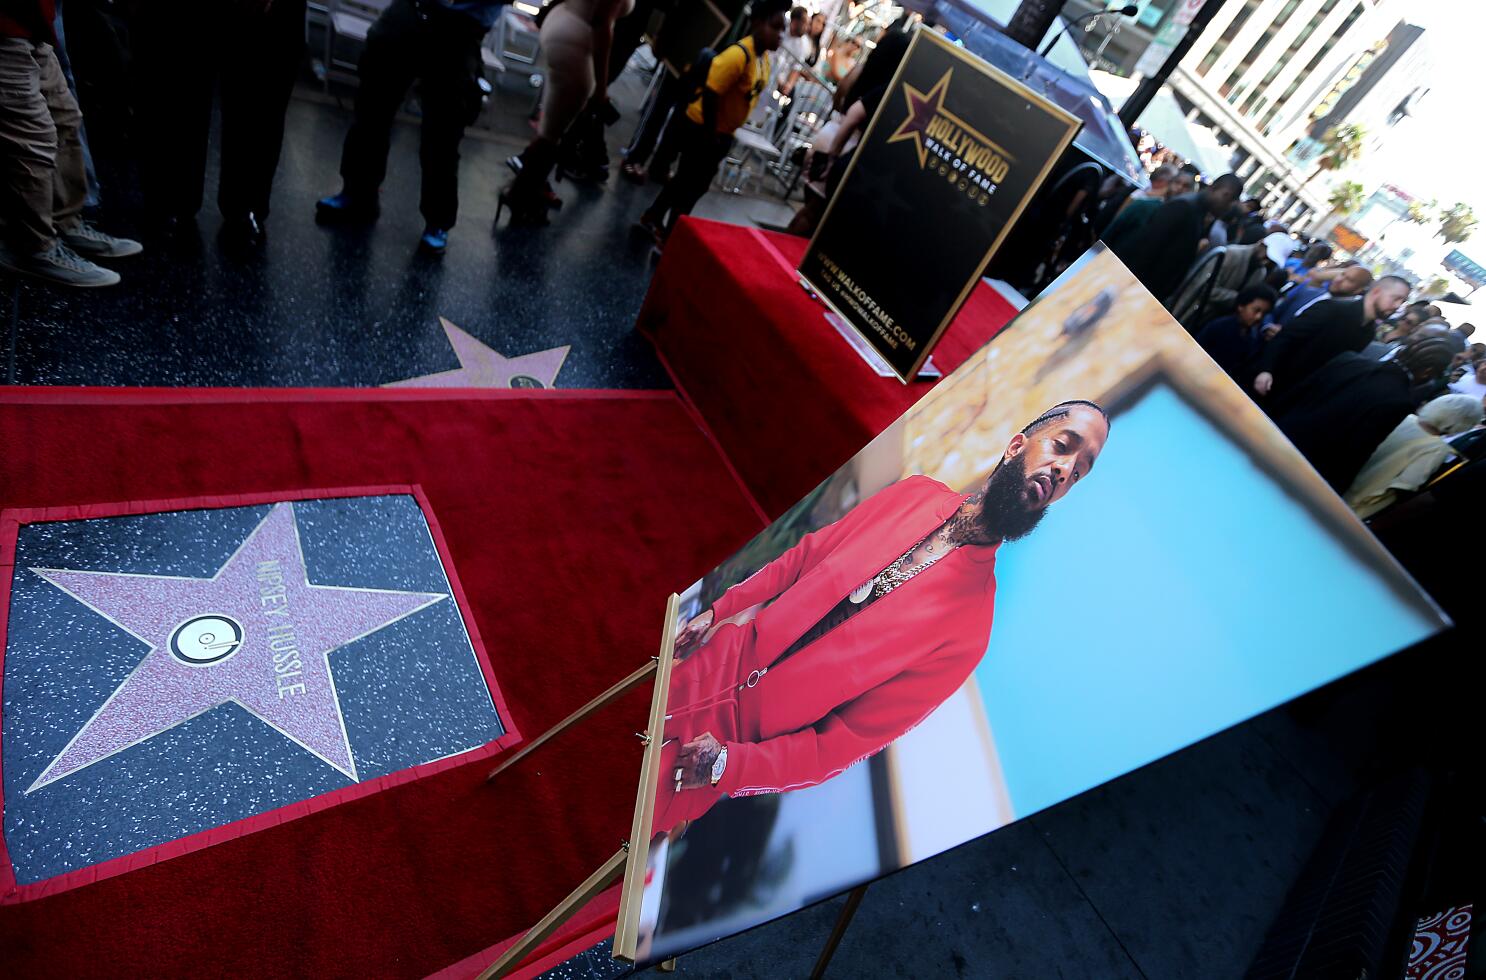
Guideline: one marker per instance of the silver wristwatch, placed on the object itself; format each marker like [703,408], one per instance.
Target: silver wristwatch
[719,765]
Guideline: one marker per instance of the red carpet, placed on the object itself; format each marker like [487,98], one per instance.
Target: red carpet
[788,400]
[569,516]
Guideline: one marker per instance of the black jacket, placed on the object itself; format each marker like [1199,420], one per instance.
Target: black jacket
[1339,415]
[1161,254]
[1329,328]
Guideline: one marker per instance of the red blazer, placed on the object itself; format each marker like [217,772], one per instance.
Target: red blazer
[853,691]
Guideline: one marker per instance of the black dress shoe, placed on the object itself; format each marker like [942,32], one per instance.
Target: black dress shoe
[243,232]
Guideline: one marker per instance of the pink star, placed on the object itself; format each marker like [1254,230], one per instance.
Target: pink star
[482,367]
[257,634]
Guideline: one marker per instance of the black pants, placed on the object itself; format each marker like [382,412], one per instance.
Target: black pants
[702,152]
[99,48]
[440,49]
[183,49]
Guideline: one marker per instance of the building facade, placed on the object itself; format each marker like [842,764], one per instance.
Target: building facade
[1265,72]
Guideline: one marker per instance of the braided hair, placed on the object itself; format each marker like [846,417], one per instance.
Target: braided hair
[1062,411]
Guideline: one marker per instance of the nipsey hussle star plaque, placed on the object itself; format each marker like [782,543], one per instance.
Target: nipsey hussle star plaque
[181,667]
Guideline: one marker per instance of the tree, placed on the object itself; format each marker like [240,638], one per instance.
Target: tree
[1347,197]
[1417,213]
[1421,212]
[1435,288]
[1340,146]
[1457,224]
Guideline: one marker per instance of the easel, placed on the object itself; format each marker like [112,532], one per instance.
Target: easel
[632,866]
[630,859]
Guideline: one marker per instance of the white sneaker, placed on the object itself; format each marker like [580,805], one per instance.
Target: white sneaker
[84,239]
[61,265]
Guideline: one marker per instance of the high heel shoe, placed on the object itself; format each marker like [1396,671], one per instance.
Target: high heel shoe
[526,211]
[516,164]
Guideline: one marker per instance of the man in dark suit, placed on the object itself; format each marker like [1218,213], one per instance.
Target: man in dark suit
[1328,328]
[1352,280]
[1162,252]
[1340,414]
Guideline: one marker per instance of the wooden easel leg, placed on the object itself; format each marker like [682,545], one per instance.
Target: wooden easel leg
[842,921]
[666,966]
[612,694]
[580,896]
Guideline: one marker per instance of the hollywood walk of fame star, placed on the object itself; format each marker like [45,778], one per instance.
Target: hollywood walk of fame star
[922,108]
[482,367]
[257,634]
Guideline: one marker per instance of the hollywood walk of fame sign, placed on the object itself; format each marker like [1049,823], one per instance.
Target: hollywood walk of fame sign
[482,367]
[179,670]
[953,154]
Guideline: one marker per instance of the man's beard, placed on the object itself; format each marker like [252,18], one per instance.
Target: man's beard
[1005,514]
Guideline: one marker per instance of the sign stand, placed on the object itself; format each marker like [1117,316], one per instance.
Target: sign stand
[612,694]
[838,931]
[616,865]
[629,861]
[565,910]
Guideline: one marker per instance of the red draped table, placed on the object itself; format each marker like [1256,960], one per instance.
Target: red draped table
[787,399]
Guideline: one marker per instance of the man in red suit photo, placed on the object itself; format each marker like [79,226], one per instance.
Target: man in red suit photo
[870,624]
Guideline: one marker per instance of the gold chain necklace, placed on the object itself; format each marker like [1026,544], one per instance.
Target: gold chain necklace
[895,575]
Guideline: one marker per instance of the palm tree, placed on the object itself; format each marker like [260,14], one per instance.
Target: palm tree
[1346,197]
[1417,213]
[1457,224]
[1340,146]
[1421,212]
[1435,288]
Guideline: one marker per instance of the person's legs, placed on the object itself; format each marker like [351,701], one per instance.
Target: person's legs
[70,169]
[387,67]
[450,68]
[689,136]
[58,28]
[38,139]
[257,80]
[567,46]
[701,155]
[176,70]
[70,172]
[653,124]
[28,149]
[671,137]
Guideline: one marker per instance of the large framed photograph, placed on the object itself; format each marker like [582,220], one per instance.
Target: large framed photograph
[953,154]
[1084,550]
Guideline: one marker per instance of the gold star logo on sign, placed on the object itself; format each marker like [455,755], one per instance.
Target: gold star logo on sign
[964,149]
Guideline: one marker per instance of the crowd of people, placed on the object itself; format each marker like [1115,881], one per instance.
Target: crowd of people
[436,44]
[1382,395]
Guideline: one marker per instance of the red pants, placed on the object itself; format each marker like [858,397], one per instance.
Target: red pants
[704,698]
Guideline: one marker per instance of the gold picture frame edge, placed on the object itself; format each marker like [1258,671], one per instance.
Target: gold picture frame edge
[1288,468]
[633,887]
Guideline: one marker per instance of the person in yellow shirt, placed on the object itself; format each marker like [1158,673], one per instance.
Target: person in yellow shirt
[735,81]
